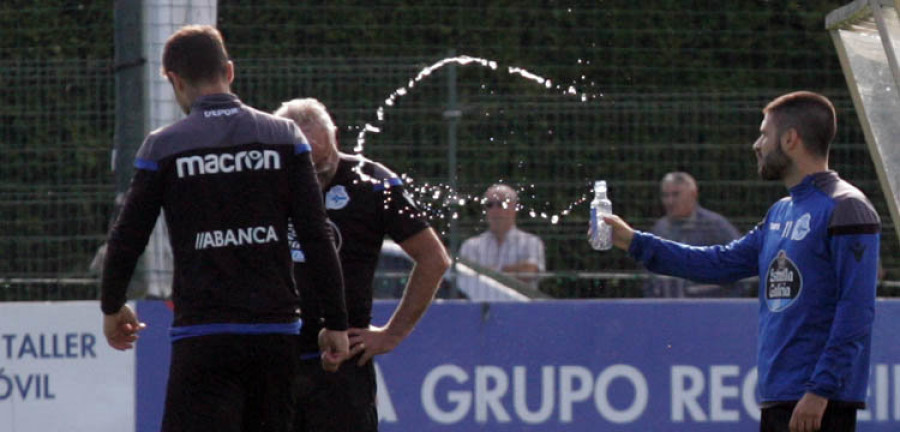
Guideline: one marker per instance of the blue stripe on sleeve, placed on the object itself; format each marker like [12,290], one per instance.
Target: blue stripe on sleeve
[311,355]
[146,164]
[291,328]
[393,181]
[301,148]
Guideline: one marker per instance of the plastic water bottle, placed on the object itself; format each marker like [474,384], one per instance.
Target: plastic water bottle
[601,232]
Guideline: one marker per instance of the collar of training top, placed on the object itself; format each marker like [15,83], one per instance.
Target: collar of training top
[213,100]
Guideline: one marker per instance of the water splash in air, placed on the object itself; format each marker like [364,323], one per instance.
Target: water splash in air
[438,201]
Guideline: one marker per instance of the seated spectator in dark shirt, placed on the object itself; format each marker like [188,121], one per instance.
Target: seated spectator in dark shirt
[687,222]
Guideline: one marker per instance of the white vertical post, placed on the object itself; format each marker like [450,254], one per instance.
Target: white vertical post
[865,34]
[161,19]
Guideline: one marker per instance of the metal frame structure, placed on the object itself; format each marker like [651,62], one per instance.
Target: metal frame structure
[866,34]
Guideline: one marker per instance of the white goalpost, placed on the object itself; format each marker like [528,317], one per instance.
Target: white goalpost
[866,34]
[161,19]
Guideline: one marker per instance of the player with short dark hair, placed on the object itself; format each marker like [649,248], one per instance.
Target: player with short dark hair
[810,114]
[816,255]
[229,179]
[365,201]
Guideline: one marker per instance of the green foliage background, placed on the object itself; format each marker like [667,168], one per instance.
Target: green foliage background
[673,84]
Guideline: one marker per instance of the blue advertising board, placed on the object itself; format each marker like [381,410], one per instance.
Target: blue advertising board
[568,365]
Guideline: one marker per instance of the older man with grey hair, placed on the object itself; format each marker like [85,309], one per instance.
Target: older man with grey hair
[365,202]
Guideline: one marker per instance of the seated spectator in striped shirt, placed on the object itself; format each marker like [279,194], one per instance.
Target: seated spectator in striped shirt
[687,222]
[503,247]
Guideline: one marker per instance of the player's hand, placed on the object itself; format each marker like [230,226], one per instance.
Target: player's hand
[622,233]
[372,342]
[334,347]
[807,416]
[121,328]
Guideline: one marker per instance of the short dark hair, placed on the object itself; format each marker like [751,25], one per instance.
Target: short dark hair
[810,114]
[196,53]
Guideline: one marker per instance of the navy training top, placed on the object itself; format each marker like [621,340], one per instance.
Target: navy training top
[228,178]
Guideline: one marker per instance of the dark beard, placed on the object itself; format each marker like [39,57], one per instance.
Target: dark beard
[775,165]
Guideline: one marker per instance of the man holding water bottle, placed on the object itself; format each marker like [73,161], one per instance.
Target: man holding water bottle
[816,254]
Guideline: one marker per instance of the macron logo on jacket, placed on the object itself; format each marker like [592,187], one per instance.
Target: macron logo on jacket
[253,160]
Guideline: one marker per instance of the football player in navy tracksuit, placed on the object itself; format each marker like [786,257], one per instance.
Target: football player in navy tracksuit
[365,202]
[229,178]
[816,255]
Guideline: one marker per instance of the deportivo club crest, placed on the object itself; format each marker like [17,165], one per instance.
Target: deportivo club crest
[336,198]
[783,283]
[801,228]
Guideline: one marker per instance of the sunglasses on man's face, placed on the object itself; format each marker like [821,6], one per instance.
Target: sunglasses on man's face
[498,204]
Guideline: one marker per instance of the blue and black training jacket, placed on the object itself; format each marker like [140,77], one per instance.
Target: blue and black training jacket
[816,255]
